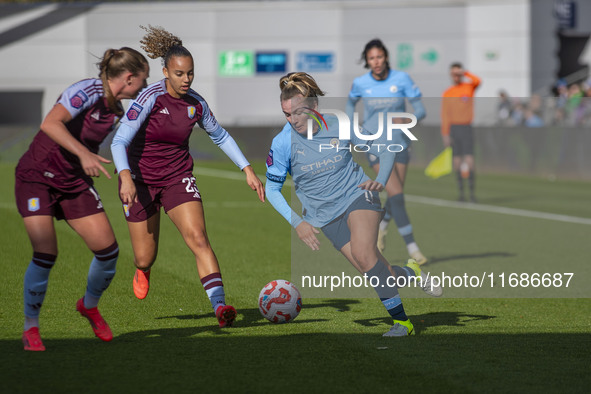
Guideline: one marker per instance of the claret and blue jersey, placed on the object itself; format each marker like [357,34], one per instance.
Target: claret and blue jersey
[92,121]
[153,139]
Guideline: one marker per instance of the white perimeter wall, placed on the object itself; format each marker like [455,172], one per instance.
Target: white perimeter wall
[490,37]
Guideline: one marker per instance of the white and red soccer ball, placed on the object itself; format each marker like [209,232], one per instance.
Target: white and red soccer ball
[280,301]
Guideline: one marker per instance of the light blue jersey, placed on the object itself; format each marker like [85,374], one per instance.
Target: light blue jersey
[325,176]
[382,96]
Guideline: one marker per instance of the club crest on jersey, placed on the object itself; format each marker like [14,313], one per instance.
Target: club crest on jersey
[191,112]
[393,89]
[134,112]
[79,99]
[33,204]
[270,158]
[334,142]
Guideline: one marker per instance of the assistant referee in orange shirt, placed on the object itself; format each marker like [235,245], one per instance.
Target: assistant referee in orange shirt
[457,112]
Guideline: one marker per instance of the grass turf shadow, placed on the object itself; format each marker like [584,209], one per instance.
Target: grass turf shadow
[179,361]
[423,322]
[252,316]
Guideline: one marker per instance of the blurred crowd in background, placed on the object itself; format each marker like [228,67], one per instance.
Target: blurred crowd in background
[570,105]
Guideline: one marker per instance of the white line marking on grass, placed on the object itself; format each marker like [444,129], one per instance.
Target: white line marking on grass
[434,201]
[496,209]
[213,204]
[234,175]
[233,204]
[206,204]
[225,174]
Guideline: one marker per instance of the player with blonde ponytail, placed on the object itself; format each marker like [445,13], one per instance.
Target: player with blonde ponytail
[336,195]
[296,83]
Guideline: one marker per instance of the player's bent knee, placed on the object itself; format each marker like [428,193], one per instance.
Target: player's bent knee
[197,240]
[366,258]
[144,261]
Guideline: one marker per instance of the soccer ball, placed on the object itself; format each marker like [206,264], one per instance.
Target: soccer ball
[280,301]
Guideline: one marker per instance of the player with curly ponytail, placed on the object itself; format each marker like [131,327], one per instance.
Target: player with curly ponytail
[53,180]
[155,167]
[335,193]
[159,43]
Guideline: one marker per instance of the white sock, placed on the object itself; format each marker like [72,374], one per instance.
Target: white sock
[412,247]
[384,225]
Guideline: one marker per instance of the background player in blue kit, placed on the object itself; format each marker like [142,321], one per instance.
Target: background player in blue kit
[151,153]
[53,179]
[384,90]
[335,193]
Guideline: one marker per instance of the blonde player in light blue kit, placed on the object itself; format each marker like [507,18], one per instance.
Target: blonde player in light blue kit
[335,193]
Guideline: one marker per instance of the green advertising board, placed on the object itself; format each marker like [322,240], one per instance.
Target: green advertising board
[236,63]
[404,56]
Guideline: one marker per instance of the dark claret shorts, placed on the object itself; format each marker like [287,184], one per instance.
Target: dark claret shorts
[462,139]
[36,199]
[338,232]
[152,198]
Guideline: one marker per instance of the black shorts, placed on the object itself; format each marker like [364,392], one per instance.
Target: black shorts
[338,231]
[462,139]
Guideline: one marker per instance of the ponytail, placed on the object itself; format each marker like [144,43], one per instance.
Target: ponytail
[296,83]
[114,63]
[160,43]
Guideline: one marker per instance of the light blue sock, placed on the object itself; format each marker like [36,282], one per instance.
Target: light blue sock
[100,274]
[214,287]
[217,297]
[35,285]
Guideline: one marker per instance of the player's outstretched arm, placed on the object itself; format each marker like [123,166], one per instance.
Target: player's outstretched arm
[254,182]
[122,140]
[307,234]
[127,190]
[54,125]
[386,166]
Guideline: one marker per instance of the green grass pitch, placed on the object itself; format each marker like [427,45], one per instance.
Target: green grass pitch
[170,341]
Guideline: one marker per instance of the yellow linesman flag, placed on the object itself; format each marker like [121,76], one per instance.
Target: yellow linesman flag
[441,165]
